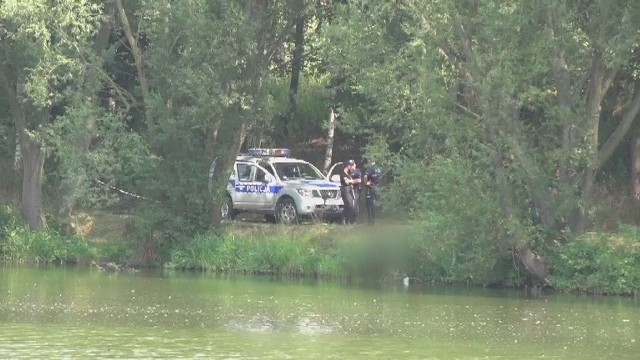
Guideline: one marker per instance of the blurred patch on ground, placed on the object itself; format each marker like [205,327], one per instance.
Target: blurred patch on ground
[100,226]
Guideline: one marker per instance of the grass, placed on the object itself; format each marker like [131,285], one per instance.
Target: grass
[313,250]
[256,247]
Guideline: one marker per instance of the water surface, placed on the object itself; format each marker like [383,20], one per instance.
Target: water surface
[81,313]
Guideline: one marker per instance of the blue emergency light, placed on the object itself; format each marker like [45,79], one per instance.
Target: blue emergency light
[278,152]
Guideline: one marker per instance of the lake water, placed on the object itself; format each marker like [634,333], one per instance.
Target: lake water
[82,313]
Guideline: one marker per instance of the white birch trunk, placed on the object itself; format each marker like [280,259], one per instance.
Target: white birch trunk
[17,159]
[330,135]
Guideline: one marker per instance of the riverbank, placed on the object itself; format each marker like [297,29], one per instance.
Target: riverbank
[597,263]
[310,250]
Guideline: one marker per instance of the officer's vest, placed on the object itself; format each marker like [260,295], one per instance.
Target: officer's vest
[375,175]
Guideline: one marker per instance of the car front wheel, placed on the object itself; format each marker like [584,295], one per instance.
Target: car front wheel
[226,209]
[286,211]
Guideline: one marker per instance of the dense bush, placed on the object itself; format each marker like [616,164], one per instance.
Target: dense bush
[458,227]
[600,263]
[18,244]
[43,247]
[9,220]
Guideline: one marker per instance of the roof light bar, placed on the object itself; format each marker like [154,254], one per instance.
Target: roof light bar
[278,152]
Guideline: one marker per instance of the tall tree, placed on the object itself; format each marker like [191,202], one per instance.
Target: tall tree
[207,65]
[583,78]
[74,180]
[41,59]
[297,62]
[454,89]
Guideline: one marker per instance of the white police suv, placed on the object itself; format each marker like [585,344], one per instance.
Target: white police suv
[282,188]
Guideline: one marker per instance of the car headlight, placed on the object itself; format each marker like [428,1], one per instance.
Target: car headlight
[304,192]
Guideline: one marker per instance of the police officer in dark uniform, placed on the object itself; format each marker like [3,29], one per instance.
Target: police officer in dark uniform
[347,191]
[356,177]
[372,179]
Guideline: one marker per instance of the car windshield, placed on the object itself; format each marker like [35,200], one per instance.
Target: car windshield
[297,171]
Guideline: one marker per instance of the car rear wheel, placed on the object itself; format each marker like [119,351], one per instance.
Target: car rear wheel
[286,211]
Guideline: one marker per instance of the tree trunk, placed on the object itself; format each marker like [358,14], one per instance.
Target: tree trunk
[600,80]
[212,138]
[33,156]
[330,136]
[635,167]
[221,175]
[32,151]
[17,157]
[137,56]
[630,113]
[296,68]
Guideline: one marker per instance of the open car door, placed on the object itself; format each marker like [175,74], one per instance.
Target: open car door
[334,171]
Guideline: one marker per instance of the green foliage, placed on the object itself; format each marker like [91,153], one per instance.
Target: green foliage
[207,70]
[47,44]
[114,252]
[10,220]
[314,100]
[117,156]
[19,244]
[258,254]
[15,245]
[468,106]
[155,231]
[381,253]
[463,236]
[599,263]
[48,247]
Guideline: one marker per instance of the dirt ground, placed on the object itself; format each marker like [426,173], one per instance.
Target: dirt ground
[100,226]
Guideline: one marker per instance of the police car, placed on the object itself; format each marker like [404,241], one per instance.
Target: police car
[270,182]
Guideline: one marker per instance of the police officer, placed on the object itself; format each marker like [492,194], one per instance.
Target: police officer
[347,191]
[356,177]
[372,179]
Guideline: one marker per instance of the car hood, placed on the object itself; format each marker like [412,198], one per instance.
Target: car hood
[321,184]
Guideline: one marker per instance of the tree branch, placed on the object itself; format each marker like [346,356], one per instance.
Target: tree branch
[621,130]
[124,95]
[137,56]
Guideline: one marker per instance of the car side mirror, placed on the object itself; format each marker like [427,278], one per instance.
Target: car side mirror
[268,178]
[335,178]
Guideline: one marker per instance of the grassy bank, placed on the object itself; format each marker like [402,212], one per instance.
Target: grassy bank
[19,245]
[307,250]
[601,263]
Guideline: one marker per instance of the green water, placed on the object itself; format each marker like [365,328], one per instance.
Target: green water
[72,313]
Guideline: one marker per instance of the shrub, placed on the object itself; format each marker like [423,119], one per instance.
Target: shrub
[19,244]
[458,232]
[10,220]
[250,253]
[48,247]
[599,263]
[15,246]
[116,252]
[380,252]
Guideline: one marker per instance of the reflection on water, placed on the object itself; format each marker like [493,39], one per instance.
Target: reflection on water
[67,313]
